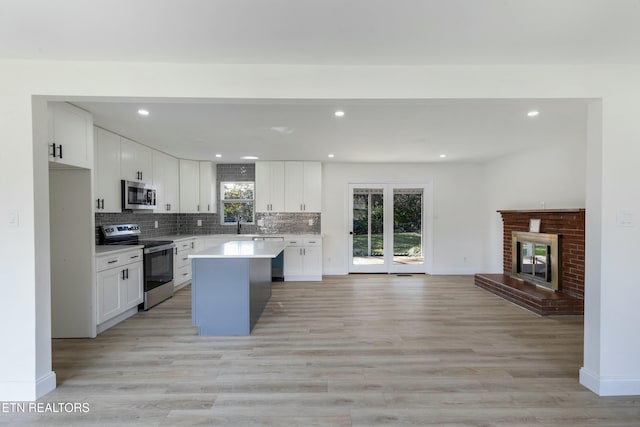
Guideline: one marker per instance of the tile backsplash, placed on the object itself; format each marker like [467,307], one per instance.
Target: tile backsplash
[170,224]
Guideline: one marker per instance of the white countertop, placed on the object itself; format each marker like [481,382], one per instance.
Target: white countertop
[114,249]
[243,249]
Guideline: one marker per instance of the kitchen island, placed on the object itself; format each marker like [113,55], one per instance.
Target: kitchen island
[230,286]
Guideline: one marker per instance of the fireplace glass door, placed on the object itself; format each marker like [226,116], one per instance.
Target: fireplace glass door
[534,260]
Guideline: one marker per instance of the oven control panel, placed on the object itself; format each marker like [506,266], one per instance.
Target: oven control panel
[120,230]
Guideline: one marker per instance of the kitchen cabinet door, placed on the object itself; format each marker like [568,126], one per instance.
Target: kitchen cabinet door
[312,260]
[70,136]
[303,182]
[107,188]
[166,179]
[269,195]
[207,187]
[132,287]
[136,161]
[109,296]
[293,262]
[189,186]
[312,192]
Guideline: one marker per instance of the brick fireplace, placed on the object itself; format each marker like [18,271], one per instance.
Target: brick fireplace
[569,226]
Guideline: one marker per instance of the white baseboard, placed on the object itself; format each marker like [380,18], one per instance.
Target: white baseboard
[45,384]
[27,391]
[603,386]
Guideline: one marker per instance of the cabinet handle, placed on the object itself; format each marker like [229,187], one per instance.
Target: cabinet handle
[185,274]
[97,203]
[112,261]
[301,207]
[60,150]
[192,245]
[134,257]
[54,150]
[168,207]
[127,273]
[208,208]
[304,205]
[123,275]
[175,251]
[185,258]
[102,207]
[304,251]
[198,208]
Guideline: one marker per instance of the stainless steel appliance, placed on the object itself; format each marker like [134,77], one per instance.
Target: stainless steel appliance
[158,260]
[138,195]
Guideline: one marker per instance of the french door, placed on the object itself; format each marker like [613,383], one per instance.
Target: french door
[387,228]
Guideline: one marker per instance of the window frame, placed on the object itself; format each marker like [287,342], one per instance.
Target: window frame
[224,201]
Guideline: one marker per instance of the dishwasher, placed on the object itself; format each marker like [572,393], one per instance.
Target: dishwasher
[277,263]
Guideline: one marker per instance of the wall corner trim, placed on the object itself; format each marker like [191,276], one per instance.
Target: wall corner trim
[609,386]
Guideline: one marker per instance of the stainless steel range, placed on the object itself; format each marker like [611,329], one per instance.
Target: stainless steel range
[158,260]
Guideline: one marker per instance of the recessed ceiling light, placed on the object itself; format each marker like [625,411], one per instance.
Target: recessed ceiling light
[442,156]
[330,156]
[143,112]
[339,113]
[249,157]
[533,113]
[218,155]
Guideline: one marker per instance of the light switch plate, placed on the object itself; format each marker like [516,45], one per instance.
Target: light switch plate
[624,218]
[13,218]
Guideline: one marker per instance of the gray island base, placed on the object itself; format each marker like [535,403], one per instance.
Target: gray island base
[231,285]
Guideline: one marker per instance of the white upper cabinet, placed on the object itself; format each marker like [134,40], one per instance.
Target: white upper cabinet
[136,161]
[166,179]
[189,186]
[269,195]
[303,186]
[107,188]
[70,136]
[207,187]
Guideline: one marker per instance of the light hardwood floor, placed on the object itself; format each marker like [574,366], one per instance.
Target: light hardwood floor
[361,350]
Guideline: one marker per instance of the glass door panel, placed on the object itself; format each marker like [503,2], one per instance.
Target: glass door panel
[407,227]
[367,233]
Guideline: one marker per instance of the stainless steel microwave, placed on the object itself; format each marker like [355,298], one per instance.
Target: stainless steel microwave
[138,195]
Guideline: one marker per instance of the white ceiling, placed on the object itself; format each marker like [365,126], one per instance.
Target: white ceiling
[370,131]
[372,32]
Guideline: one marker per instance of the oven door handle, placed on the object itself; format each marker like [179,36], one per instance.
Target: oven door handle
[159,248]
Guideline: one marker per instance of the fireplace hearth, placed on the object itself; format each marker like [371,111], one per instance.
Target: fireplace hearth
[543,271]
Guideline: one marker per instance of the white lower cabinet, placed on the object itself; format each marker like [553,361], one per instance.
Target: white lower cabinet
[119,284]
[303,259]
[182,263]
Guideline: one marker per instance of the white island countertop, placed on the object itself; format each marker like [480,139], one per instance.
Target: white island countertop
[243,249]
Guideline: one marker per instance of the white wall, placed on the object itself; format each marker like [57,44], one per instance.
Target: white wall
[24,249]
[550,175]
[458,206]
